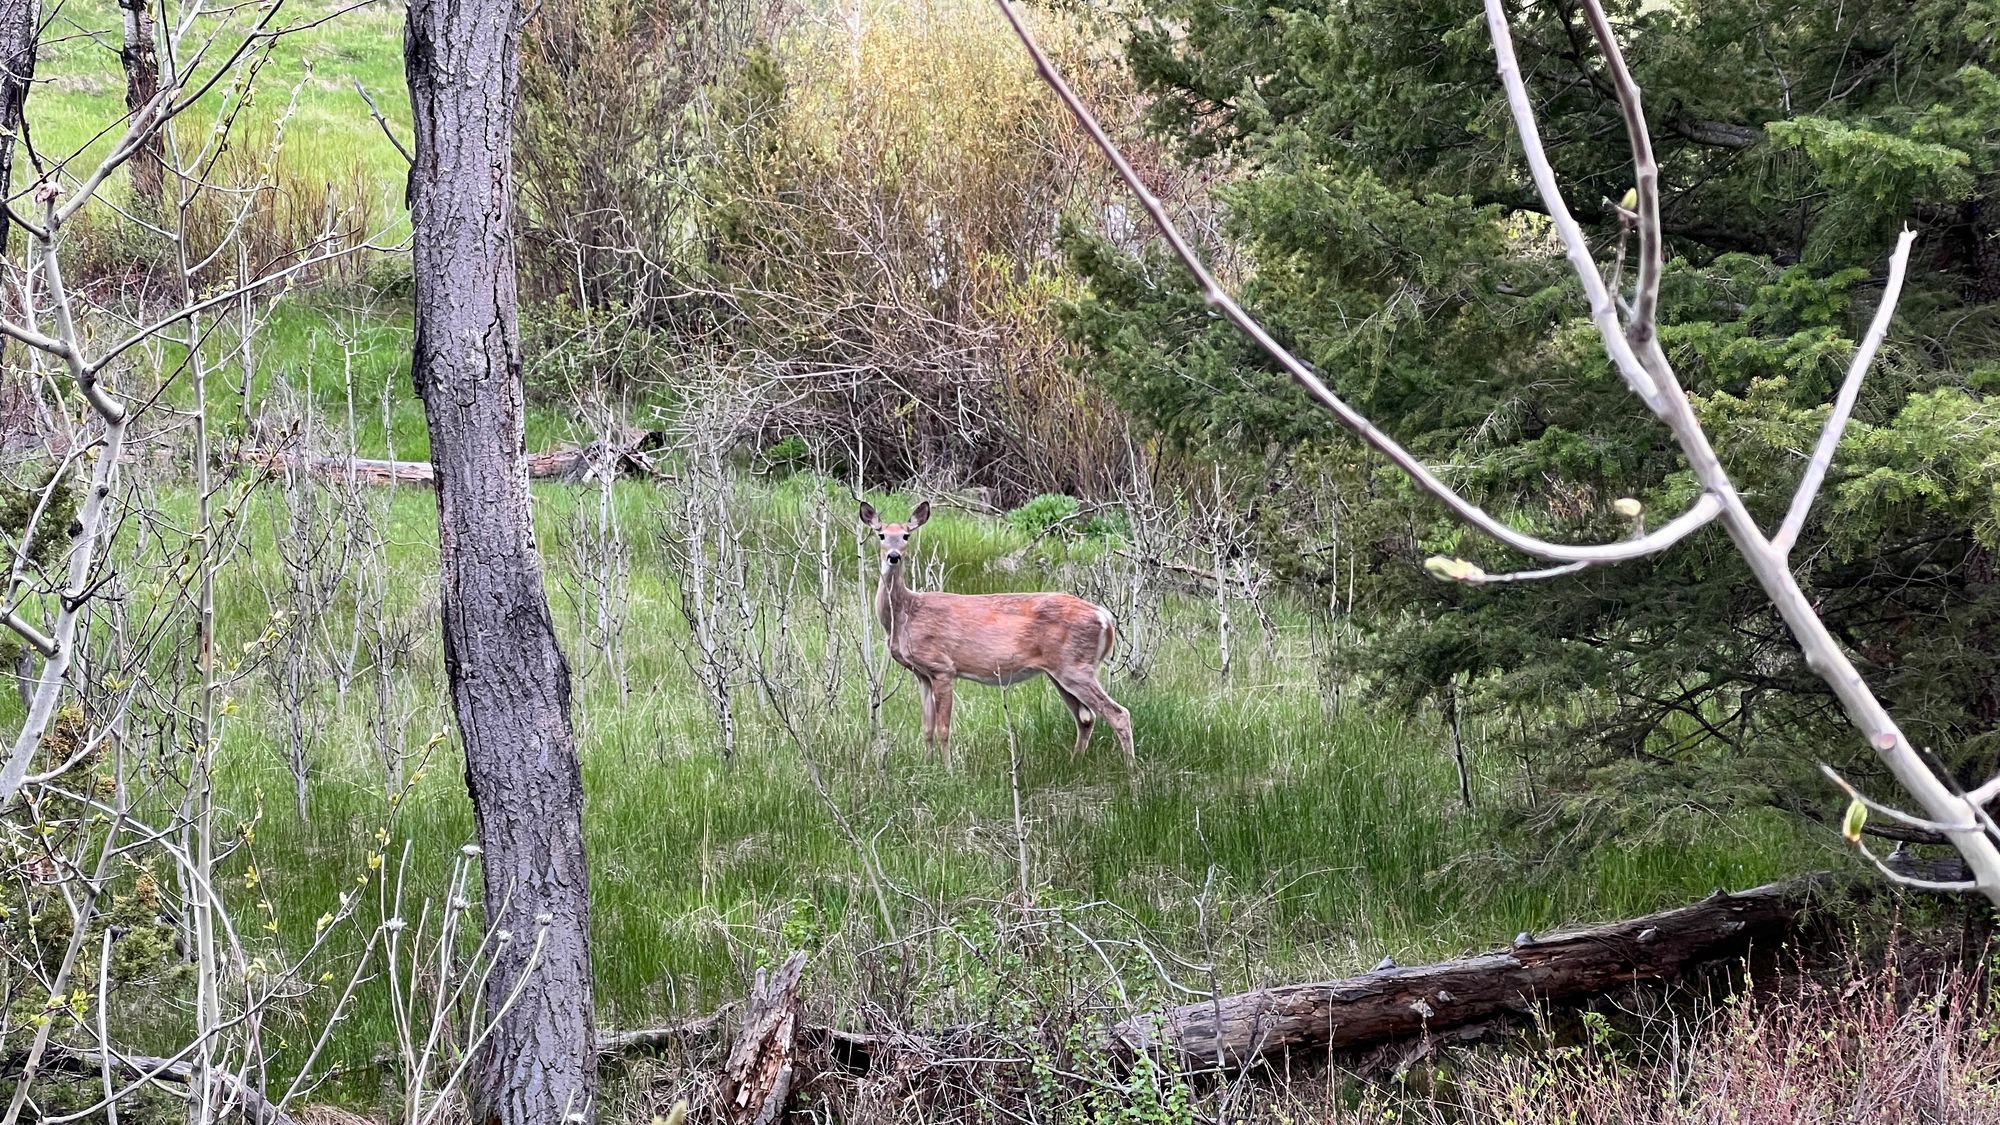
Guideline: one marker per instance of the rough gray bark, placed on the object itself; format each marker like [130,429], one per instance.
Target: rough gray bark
[510,684]
[18,19]
[17,74]
[142,84]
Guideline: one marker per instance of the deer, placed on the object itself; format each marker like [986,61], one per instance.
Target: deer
[993,639]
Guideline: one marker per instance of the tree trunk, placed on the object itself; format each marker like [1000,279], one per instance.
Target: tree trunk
[510,685]
[18,19]
[142,84]
[757,1079]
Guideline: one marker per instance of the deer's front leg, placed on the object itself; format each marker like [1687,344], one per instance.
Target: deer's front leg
[928,701]
[941,715]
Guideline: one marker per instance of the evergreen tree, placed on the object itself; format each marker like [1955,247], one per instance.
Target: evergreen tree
[1392,238]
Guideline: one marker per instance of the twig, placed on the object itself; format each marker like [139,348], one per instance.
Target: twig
[376,112]
[1843,403]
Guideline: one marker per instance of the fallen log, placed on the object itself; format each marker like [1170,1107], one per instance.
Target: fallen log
[1450,999]
[231,1095]
[630,456]
[365,470]
[1393,1002]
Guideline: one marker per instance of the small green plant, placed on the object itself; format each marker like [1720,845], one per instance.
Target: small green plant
[1056,514]
[788,457]
[1045,514]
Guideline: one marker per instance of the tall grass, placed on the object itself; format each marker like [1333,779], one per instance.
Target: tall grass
[1313,843]
[330,179]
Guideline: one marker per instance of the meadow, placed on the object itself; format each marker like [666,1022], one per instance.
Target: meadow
[1270,831]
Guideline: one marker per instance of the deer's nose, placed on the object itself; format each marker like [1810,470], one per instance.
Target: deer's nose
[895,556]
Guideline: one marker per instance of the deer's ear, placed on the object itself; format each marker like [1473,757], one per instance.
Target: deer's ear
[868,515]
[918,517]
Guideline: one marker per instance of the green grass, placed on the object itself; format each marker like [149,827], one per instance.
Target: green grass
[77,110]
[1318,843]
[310,352]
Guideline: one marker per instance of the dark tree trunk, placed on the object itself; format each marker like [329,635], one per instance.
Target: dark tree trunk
[509,681]
[142,84]
[18,19]
[17,73]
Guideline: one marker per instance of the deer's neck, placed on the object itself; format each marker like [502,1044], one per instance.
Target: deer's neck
[893,600]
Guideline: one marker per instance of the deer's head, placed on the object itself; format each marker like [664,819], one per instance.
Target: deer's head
[893,539]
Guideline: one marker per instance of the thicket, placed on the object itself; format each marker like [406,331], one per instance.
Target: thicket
[1392,239]
[848,228]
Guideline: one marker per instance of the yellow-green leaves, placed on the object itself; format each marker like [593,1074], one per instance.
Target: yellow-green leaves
[1453,570]
[1850,825]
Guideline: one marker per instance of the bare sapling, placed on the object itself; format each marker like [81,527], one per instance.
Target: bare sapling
[321,531]
[993,639]
[873,668]
[591,537]
[1628,328]
[704,542]
[1141,601]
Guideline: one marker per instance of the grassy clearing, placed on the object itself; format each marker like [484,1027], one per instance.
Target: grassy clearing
[1316,842]
[78,106]
[314,359]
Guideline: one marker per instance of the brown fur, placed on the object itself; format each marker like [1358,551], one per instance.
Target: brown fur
[993,639]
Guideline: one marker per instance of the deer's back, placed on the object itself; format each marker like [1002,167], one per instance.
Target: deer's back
[1000,638]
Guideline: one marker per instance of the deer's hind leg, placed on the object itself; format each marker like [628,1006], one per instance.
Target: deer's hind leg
[1086,719]
[1082,683]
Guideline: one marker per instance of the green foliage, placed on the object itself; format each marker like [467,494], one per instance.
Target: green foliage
[18,507]
[788,456]
[1058,515]
[1391,238]
[37,840]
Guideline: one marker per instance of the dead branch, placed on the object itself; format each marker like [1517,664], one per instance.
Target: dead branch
[1389,1005]
[1400,1003]
[570,463]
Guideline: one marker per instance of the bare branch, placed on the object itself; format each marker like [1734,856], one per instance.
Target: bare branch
[42,642]
[1476,577]
[144,122]
[222,298]
[1984,795]
[1911,881]
[1603,310]
[1646,173]
[1843,403]
[376,112]
[1892,813]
